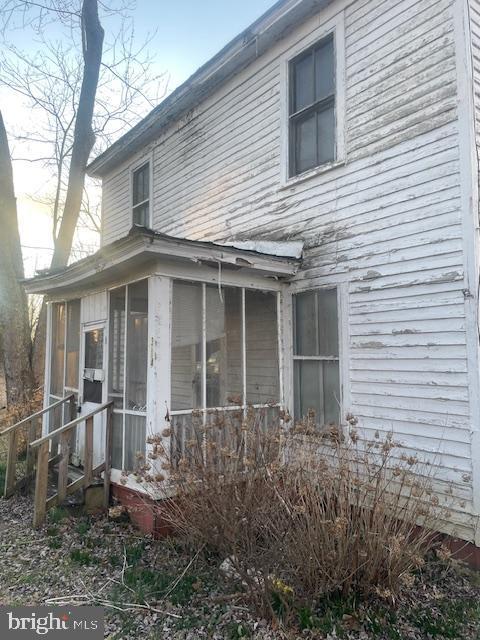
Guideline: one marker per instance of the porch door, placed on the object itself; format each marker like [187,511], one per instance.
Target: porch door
[93,376]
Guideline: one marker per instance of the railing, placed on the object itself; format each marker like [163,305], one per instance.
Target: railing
[20,438]
[42,502]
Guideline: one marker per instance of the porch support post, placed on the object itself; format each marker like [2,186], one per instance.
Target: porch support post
[41,485]
[88,453]
[108,456]
[65,439]
[159,356]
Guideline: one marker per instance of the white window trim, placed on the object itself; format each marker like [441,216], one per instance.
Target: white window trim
[343,342]
[137,165]
[335,26]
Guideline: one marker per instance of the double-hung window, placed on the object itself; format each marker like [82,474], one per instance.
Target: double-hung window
[141,196]
[316,355]
[312,107]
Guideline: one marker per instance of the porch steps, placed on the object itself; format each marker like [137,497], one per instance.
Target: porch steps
[74,473]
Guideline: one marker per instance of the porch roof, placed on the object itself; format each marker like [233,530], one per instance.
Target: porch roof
[142,246]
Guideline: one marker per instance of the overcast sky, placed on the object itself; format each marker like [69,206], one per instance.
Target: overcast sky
[186,33]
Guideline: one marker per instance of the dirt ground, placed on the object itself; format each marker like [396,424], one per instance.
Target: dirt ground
[161,589]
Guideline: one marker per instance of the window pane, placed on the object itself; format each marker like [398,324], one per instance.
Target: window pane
[305,143]
[324,70]
[307,389]
[303,82]
[58,349]
[140,215]
[117,440]
[262,347]
[305,323]
[317,388]
[316,323]
[135,440]
[224,355]
[73,343]
[117,347]
[94,349]
[331,392]
[137,346]
[141,184]
[326,135]
[327,323]
[186,346]
[92,391]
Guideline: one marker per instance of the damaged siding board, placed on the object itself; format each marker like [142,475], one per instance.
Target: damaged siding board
[386,226]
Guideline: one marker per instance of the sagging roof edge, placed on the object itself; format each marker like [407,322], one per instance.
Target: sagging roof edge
[250,44]
[140,240]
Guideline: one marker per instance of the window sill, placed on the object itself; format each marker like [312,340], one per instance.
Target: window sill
[308,175]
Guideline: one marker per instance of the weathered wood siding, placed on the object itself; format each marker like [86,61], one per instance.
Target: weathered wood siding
[386,227]
[474,13]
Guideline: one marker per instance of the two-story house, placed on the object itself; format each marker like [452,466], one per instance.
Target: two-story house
[295,226]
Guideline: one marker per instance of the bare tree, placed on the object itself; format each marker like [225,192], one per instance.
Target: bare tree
[15,336]
[86,93]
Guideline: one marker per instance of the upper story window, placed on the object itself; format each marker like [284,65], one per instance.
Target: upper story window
[312,107]
[141,196]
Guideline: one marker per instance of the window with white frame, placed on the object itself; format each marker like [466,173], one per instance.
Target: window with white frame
[224,348]
[316,355]
[312,107]
[127,376]
[141,196]
[64,354]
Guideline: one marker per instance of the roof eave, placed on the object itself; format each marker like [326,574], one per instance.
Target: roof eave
[144,246]
[236,55]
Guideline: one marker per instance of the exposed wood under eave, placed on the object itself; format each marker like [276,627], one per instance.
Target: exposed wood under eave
[142,247]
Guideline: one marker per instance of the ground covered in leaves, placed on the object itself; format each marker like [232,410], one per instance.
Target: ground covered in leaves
[160,589]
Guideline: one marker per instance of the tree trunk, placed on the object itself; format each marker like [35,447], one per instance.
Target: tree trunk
[15,336]
[83,141]
[84,138]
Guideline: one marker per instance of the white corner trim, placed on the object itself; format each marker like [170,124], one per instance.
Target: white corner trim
[329,24]
[469,173]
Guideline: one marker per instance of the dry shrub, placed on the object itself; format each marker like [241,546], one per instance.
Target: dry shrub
[15,413]
[296,514]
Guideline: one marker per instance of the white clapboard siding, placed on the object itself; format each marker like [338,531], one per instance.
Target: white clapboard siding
[387,224]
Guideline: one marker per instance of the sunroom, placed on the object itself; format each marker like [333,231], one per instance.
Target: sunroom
[163,328]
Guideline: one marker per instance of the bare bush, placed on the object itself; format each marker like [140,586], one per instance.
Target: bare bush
[294,513]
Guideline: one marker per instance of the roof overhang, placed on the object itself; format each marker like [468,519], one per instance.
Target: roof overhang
[272,26]
[143,247]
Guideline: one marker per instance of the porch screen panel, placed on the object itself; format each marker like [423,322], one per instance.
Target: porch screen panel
[117,346]
[57,361]
[261,330]
[186,346]
[135,440]
[73,344]
[137,346]
[117,441]
[223,346]
[128,359]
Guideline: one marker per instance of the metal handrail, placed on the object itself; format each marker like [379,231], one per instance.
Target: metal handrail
[70,425]
[36,415]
